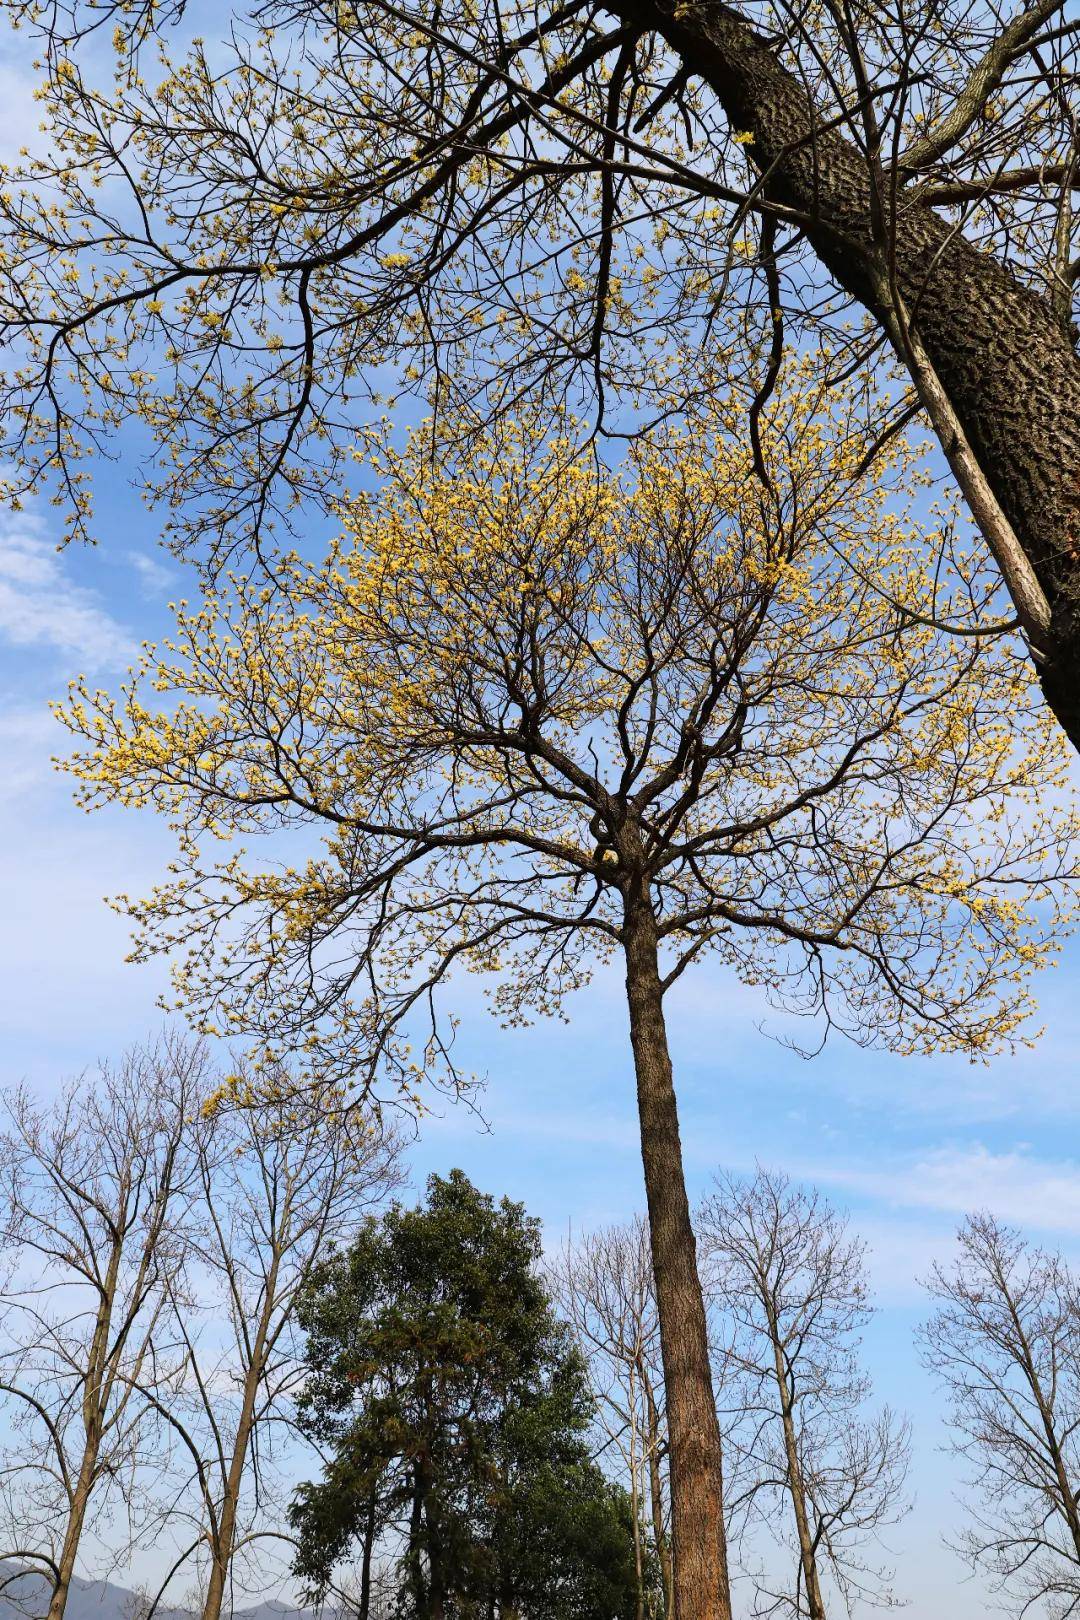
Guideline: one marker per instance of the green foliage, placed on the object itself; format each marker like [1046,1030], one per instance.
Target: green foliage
[452,1410]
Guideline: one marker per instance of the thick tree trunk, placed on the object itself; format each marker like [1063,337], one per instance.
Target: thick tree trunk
[997,347]
[700,1552]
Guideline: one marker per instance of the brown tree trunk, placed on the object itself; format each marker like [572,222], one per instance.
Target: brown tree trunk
[230,1506]
[796,1484]
[72,1536]
[96,1394]
[1000,352]
[697,1518]
[663,1551]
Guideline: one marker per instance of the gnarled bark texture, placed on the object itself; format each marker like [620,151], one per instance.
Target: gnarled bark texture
[1000,352]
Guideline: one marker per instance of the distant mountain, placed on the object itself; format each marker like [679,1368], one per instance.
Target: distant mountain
[26,1597]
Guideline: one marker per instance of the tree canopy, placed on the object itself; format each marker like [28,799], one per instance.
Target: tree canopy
[504,200]
[542,714]
[516,682]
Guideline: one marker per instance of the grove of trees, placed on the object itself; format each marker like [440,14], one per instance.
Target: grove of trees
[227,1335]
[536,394]
[154,1257]
[533,718]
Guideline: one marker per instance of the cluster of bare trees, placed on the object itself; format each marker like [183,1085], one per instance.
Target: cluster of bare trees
[153,1251]
[812,1474]
[815,1473]
[1005,1343]
[605,1287]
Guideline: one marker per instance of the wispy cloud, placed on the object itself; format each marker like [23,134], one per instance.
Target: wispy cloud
[156,578]
[1017,1185]
[42,606]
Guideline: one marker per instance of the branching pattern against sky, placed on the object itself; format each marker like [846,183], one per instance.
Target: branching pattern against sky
[907,1144]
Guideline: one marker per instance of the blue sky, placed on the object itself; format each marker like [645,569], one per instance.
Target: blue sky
[907,1145]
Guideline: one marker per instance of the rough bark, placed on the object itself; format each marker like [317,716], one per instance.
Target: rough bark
[700,1552]
[1001,354]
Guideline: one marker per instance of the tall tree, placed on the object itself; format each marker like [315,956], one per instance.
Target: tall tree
[1005,1342]
[446,1392]
[542,715]
[92,1190]
[793,1297]
[518,196]
[274,1186]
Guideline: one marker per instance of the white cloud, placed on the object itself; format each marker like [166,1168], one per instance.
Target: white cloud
[28,738]
[41,606]
[155,577]
[1016,1186]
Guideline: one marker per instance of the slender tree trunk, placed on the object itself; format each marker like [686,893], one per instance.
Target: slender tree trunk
[364,1610]
[796,1483]
[635,1500]
[253,1376]
[96,1393]
[1004,359]
[697,1516]
[656,1492]
[436,1592]
[65,1564]
[414,1560]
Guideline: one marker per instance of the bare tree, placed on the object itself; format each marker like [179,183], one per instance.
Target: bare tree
[90,1189]
[560,198]
[605,1287]
[533,715]
[276,1186]
[1005,1342]
[792,1291]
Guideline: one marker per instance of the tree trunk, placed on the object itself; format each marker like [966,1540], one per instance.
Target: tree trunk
[635,1506]
[999,351]
[796,1484]
[230,1506]
[436,1585]
[72,1536]
[701,1576]
[97,1391]
[364,1610]
[663,1551]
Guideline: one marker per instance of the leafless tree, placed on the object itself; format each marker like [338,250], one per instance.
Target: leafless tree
[569,199]
[276,1185]
[605,1287]
[89,1193]
[1005,1341]
[793,1297]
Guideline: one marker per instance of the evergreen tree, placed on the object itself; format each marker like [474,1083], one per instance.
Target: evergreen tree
[452,1409]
